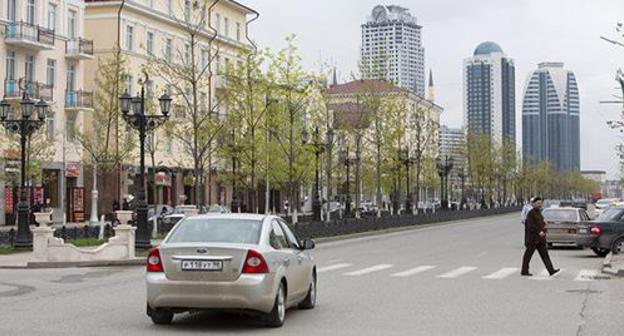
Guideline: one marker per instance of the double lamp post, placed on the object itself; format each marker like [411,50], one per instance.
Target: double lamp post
[444,167]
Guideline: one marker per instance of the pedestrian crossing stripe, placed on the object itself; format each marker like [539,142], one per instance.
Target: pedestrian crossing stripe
[333,267]
[413,271]
[502,273]
[544,275]
[367,270]
[457,272]
[586,275]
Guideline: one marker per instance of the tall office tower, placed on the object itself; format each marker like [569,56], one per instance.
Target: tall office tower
[550,117]
[392,48]
[489,93]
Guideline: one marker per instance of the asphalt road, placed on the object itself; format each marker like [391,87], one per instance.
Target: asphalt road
[454,279]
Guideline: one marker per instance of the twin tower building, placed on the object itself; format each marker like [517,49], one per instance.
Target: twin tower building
[550,106]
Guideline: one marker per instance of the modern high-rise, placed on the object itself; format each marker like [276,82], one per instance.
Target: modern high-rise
[550,117]
[452,142]
[489,93]
[392,48]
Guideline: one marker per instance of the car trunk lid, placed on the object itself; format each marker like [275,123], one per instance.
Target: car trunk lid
[561,227]
[182,260]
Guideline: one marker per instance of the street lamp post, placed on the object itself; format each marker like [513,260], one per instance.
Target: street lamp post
[25,127]
[235,204]
[344,158]
[444,168]
[462,177]
[407,162]
[319,148]
[133,109]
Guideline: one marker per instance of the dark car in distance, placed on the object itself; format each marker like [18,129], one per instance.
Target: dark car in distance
[605,233]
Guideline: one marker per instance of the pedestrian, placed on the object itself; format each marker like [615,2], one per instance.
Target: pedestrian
[525,210]
[535,239]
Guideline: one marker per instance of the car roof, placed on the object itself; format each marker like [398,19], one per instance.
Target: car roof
[232,216]
[564,208]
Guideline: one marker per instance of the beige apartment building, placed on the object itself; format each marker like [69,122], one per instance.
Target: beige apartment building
[153,28]
[43,53]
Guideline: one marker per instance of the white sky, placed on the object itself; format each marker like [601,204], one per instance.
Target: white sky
[529,31]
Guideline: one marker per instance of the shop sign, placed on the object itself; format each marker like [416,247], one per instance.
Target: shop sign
[72,170]
[162,179]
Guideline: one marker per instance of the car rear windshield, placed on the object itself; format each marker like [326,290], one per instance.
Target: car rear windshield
[610,215]
[560,215]
[217,230]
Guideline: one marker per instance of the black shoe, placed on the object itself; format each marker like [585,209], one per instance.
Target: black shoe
[526,274]
[555,271]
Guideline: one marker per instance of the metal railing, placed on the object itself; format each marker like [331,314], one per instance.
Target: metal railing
[78,99]
[26,31]
[77,46]
[14,88]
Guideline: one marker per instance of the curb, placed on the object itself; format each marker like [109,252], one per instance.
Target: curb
[608,266]
[69,264]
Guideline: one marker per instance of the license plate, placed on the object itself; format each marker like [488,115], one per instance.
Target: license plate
[582,230]
[202,265]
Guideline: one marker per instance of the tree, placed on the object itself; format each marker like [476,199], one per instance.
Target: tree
[185,68]
[423,134]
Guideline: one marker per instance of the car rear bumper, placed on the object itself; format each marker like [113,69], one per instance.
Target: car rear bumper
[562,238]
[587,241]
[248,292]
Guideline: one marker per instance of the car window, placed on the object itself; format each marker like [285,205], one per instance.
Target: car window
[584,215]
[290,236]
[277,239]
[216,230]
[610,215]
[560,215]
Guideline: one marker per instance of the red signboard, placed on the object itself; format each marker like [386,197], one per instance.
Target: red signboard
[78,204]
[72,170]
[9,202]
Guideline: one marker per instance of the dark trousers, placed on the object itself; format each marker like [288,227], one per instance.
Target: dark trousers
[543,252]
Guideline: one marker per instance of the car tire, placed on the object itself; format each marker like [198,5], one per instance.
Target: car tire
[600,251]
[275,318]
[160,316]
[618,246]
[310,300]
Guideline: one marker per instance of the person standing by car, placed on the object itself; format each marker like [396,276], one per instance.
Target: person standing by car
[535,239]
[526,209]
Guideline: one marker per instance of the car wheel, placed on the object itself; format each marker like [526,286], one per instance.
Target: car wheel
[276,317]
[160,316]
[618,246]
[310,300]
[600,251]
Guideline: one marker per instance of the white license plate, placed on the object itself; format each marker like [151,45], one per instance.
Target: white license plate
[202,265]
[582,230]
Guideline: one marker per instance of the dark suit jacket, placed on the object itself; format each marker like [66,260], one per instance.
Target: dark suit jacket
[532,227]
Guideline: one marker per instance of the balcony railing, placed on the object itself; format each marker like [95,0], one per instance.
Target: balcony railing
[79,48]
[14,88]
[78,99]
[29,35]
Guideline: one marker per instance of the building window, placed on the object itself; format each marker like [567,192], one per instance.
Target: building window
[170,7]
[226,26]
[11,10]
[129,38]
[238,31]
[10,65]
[50,128]
[219,68]
[30,12]
[187,54]
[29,68]
[71,77]
[51,72]
[71,24]
[168,51]
[204,59]
[149,43]
[218,23]
[128,84]
[203,101]
[52,16]
[187,10]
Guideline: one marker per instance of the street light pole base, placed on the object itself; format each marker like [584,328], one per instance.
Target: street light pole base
[23,239]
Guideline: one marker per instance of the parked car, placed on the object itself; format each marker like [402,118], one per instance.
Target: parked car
[561,224]
[603,204]
[216,208]
[240,262]
[177,214]
[605,233]
[158,212]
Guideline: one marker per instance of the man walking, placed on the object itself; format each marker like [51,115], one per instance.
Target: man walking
[535,239]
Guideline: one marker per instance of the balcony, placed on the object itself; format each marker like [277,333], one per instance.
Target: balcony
[29,36]
[79,49]
[15,89]
[78,100]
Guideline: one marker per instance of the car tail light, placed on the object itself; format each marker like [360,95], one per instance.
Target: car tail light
[154,263]
[255,263]
[595,230]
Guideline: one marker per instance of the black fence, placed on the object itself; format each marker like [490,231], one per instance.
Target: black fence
[305,229]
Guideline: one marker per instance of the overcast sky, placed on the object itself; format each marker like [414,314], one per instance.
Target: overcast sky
[529,31]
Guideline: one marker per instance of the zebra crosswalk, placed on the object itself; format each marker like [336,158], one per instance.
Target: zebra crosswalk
[443,272]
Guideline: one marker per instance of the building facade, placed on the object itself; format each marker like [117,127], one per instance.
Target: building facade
[452,143]
[550,117]
[43,53]
[489,93]
[392,47]
[156,29]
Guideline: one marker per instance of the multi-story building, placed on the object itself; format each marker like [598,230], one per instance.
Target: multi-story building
[489,93]
[452,143]
[550,117]
[392,47]
[156,29]
[43,54]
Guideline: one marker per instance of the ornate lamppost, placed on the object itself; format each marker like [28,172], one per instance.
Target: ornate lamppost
[319,148]
[444,168]
[133,109]
[462,177]
[407,162]
[343,156]
[235,204]
[25,127]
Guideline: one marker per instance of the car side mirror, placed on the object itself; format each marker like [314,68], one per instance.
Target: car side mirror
[308,244]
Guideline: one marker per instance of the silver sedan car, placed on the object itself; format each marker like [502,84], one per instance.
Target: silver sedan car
[240,262]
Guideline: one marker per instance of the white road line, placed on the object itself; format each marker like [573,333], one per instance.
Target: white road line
[544,275]
[367,270]
[413,271]
[586,275]
[501,273]
[332,267]
[457,272]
